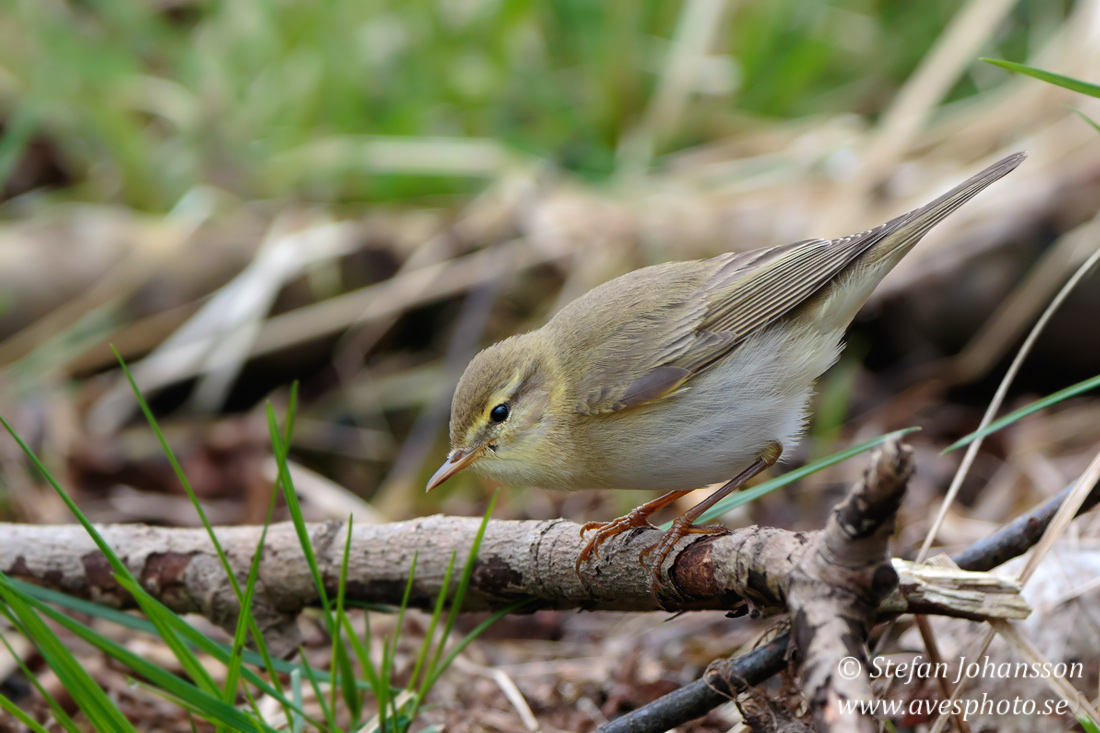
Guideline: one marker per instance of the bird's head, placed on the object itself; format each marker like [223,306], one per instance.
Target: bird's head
[500,412]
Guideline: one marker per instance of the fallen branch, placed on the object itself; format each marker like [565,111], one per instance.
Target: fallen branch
[835,583]
[835,591]
[745,571]
[725,678]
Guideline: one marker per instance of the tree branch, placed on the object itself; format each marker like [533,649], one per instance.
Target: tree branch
[835,578]
[836,588]
[699,697]
[533,561]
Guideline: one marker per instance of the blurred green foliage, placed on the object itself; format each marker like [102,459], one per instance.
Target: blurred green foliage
[144,100]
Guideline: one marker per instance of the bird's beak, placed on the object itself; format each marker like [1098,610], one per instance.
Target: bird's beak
[455,462]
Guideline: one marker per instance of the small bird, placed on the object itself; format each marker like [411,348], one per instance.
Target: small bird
[679,375]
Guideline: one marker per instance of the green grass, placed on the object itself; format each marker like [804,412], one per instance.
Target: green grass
[27,608]
[1067,82]
[144,104]
[1040,404]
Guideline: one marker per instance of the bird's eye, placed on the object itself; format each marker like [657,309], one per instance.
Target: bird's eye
[499,413]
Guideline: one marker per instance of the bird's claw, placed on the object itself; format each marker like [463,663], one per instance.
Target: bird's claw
[607,530]
[661,549]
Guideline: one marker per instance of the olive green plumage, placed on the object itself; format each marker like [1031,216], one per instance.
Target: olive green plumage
[678,375]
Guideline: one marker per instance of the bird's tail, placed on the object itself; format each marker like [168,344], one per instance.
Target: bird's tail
[902,233]
[874,253]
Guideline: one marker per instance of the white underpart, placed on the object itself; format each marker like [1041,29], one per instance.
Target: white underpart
[758,395]
[719,425]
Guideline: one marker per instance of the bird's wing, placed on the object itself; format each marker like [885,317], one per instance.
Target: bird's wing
[659,326]
[750,290]
[675,327]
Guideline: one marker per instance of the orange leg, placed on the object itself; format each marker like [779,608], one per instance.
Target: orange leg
[685,523]
[636,518]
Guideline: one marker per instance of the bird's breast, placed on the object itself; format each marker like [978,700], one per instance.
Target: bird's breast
[720,420]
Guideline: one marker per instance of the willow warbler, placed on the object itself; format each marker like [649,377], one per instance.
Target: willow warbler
[679,375]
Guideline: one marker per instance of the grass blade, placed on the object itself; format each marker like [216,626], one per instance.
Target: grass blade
[298,518]
[296,690]
[85,692]
[437,613]
[245,617]
[1067,82]
[164,620]
[352,697]
[17,713]
[1086,118]
[389,655]
[361,649]
[474,633]
[108,553]
[200,709]
[170,454]
[1072,391]
[270,664]
[325,709]
[59,713]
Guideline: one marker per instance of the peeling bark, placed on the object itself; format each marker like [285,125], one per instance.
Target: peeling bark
[834,583]
[726,678]
[746,571]
[835,591]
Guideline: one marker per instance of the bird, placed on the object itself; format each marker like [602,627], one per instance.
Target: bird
[679,375]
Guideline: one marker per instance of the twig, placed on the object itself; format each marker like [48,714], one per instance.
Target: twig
[1018,536]
[835,591]
[690,701]
[722,681]
[750,570]
[998,398]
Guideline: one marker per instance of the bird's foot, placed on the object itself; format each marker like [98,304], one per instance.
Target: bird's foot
[659,551]
[606,530]
[636,519]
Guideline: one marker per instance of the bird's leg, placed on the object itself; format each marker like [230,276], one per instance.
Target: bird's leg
[685,523]
[637,518]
